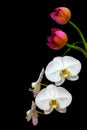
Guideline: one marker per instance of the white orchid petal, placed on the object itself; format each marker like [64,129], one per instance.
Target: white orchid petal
[73,78]
[54,77]
[57,92]
[64,110]
[48,111]
[64,102]
[74,70]
[51,68]
[65,98]
[60,82]
[69,61]
[58,61]
[53,91]
[52,72]
[72,64]
[42,100]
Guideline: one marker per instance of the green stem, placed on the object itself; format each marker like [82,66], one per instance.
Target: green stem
[68,49]
[40,112]
[44,84]
[80,33]
[77,48]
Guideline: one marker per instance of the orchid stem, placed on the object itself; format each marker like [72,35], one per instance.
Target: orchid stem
[77,48]
[69,49]
[80,33]
[40,112]
[44,84]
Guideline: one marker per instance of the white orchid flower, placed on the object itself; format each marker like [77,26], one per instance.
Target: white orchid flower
[61,68]
[36,85]
[53,97]
[32,114]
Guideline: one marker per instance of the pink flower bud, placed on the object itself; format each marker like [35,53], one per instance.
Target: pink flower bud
[61,15]
[58,39]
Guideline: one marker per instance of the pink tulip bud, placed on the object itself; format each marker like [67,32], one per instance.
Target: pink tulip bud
[61,15]
[58,39]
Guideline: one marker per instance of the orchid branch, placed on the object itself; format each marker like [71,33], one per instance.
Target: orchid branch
[77,48]
[80,33]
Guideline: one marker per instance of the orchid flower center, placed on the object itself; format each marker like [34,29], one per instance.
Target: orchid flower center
[54,103]
[64,73]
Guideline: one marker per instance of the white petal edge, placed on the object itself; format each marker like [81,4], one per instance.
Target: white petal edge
[60,82]
[57,92]
[73,78]
[48,111]
[64,110]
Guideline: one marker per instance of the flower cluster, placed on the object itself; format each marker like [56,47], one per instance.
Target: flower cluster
[54,96]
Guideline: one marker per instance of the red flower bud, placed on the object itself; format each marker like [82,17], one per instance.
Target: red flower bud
[61,15]
[58,39]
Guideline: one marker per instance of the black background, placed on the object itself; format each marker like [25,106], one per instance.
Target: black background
[24,30]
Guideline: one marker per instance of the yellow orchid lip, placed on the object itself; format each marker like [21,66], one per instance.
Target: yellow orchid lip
[54,103]
[64,73]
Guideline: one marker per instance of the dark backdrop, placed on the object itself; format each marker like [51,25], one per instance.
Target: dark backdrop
[40,56]
[24,32]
